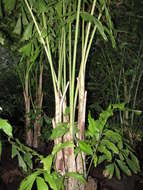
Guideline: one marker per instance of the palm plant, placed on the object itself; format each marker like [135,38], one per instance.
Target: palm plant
[68,21]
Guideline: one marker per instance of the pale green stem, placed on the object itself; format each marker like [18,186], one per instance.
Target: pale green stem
[87,37]
[47,49]
[83,31]
[70,60]
[84,48]
[73,69]
[64,49]
[60,61]
[90,41]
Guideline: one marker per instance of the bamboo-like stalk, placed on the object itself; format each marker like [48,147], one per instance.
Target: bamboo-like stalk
[47,48]
[76,89]
[39,102]
[73,69]
[29,133]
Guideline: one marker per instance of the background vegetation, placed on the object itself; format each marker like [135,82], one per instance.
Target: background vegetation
[113,80]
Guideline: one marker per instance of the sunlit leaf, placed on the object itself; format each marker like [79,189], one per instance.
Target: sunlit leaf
[41,185]
[27,183]
[26,49]
[47,163]
[120,106]
[59,131]
[85,147]
[95,160]
[6,127]
[61,146]
[49,178]
[91,128]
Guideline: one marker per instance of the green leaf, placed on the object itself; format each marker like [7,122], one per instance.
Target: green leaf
[95,160]
[58,180]
[85,147]
[109,170]
[2,39]
[24,18]
[132,165]
[1,12]
[9,5]
[70,19]
[77,176]
[41,6]
[101,159]
[121,156]
[124,167]
[113,136]
[41,185]
[49,178]
[59,8]
[6,127]
[18,28]
[67,111]
[110,146]
[59,131]
[14,151]
[61,146]
[44,33]
[135,160]
[22,163]
[120,144]
[87,17]
[91,127]
[26,49]
[47,163]
[28,32]
[120,106]
[27,183]
[106,152]
[28,160]
[32,2]
[117,172]
[108,18]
